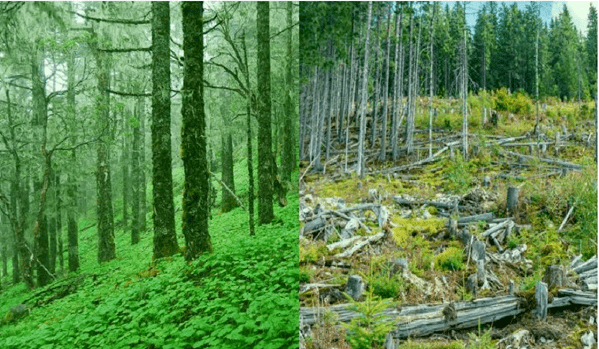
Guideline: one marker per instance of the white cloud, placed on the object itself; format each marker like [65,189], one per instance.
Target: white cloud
[579,11]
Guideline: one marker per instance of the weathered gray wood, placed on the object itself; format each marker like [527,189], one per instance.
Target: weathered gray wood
[313,226]
[480,272]
[478,251]
[511,288]
[344,243]
[477,218]
[588,265]
[486,181]
[548,161]
[450,206]
[360,244]
[579,297]
[512,199]
[576,261]
[554,276]
[355,286]
[587,274]
[308,287]
[495,229]
[561,226]
[472,284]
[541,299]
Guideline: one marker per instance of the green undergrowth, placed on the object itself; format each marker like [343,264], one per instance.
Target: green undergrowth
[244,295]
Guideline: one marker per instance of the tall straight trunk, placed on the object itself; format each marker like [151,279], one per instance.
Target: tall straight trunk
[143,198]
[72,236]
[288,157]
[106,246]
[321,118]
[265,180]
[53,244]
[329,109]
[361,157]
[249,139]
[464,98]
[315,115]
[4,246]
[384,115]
[228,200]
[165,237]
[411,86]
[430,87]
[396,77]
[125,175]
[40,233]
[193,138]
[537,83]
[377,80]
[135,176]
[16,272]
[400,89]
[59,241]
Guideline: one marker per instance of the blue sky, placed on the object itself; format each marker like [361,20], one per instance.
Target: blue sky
[549,9]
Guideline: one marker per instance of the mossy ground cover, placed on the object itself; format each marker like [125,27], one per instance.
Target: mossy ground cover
[244,295]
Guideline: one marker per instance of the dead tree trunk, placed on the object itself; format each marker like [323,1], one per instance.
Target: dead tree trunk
[361,158]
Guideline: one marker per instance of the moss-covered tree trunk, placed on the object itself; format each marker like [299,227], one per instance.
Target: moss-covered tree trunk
[125,175]
[288,162]
[16,271]
[135,177]
[193,138]
[53,245]
[165,238]
[71,185]
[143,201]
[72,234]
[265,161]
[59,247]
[106,246]
[228,202]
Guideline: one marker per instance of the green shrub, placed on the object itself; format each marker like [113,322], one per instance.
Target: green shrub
[451,259]
[459,176]
[370,328]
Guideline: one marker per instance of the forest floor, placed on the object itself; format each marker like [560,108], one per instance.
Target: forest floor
[393,231]
[243,295]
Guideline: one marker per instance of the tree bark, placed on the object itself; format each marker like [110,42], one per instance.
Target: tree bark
[165,238]
[397,82]
[361,158]
[288,153]
[384,114]
[265,180]
[106,246]
[193,139]
[228,199]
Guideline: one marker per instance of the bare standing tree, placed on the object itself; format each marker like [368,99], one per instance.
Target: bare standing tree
[398,77]
[361,159]
[383,153]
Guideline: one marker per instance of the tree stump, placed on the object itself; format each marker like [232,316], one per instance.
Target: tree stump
[355,286]
[541,298]
[486,181]
[472,284]
[554,276]
[480,272]
[512,200]
[478,251]
[511,287]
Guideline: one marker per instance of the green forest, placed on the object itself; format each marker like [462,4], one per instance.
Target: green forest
[448,176]
[148,174]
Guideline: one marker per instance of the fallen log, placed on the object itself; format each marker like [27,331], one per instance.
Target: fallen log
[477,218]
[586,266]
[360,244]
[545,160]
[495,229]
[448,206]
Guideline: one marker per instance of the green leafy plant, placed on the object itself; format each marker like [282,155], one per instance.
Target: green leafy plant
[482,340]
[459,177]
[451,259]
[370,328]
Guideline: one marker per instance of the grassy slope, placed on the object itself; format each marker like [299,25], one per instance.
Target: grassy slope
[242,295]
